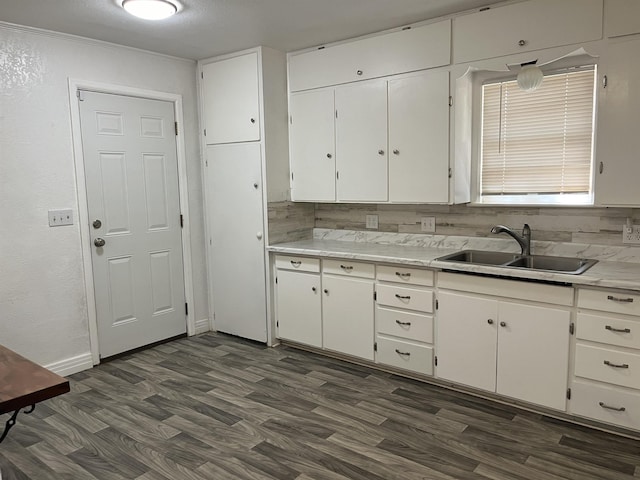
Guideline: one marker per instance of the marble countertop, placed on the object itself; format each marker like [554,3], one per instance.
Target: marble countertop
[423,251]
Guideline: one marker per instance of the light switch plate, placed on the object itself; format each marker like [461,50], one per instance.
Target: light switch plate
[372,221]
[428,224]
[58,218]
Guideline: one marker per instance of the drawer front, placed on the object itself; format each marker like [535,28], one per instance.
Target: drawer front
[303,264]
[408,325]
[606,404]
[609,301]
[412,276]
[405,297]
[611,330]
[405,355]
[347,267]
[608,365]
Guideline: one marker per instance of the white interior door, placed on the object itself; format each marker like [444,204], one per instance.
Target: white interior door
[235,222]
[131,170]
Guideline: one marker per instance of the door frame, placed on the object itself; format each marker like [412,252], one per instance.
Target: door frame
[83,206]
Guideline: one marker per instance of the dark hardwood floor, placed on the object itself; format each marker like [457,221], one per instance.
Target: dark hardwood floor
[215,407]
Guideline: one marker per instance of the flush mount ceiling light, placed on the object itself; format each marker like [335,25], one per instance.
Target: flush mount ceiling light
[150,9]
[530,77]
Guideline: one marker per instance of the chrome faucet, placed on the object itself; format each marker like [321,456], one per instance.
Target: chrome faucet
[523,240]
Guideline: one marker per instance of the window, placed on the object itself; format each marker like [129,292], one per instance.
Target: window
[537,147]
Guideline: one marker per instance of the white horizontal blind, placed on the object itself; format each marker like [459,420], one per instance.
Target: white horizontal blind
[541,141]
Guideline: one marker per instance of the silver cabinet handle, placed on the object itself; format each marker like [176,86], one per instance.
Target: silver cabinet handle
[490,321]
[296,263]
[619,300]
[403,297]
[616,365]
[503,324]
[601,168]
[608,407]
[620,330]
[522,43]
[346,267]
[605,81]
[403,324]
[99,242]
[405,354]
[403,275]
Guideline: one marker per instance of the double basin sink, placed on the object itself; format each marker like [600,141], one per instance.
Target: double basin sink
[539,263]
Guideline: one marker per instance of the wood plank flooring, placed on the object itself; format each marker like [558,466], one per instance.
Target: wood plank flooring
[216,407]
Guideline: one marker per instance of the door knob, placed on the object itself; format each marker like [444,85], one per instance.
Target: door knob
[97,223]
[99,242]
[259,235]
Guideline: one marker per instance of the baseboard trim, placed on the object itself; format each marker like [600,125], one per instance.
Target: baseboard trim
[71,365]
[202,326]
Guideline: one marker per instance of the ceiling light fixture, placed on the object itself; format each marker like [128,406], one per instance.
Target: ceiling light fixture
[150,9]
[530,77]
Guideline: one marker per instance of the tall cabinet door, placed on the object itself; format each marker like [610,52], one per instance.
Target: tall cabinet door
[419,138]
[533,354]
[312,146]
[361,142]
[618,151]
[231,95]
[466,340]
[235,223]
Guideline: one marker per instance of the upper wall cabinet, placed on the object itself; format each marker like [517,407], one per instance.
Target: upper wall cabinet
[621,17]
[230,89]
[407,50]
[526,26]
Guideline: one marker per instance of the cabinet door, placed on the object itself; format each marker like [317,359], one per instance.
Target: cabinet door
[312,146]
[231,100]
[361,142]
[618,152]
[299,303]
[419,138]
[533,354]
[621,17]
[466,340]
[347,315]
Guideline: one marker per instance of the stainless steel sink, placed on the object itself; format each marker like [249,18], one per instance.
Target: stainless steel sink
[541,263]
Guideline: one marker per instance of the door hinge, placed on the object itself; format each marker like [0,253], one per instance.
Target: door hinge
[181,221]
[337,175]
[291,119]
[202,75]
[277,323]
[450,172]
[292,176]
[437,304]
[205,132]
[568,393]
[276,280]
[176,124]
[186,308]
[435,360]
[206,163]
[605,81]
[375,346]
[572,328]
[375,295]
[336,113]
[450,101]
[79,95]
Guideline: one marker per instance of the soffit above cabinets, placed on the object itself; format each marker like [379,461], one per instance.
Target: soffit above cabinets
[206,28]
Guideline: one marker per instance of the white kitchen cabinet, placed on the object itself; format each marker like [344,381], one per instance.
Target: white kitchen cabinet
[621,17]
[525,26]
[312,146]
[618,143]
[299,300]
[361,142]
[514,349]
[347,313]
[231,93]
[419,138]
[407,50]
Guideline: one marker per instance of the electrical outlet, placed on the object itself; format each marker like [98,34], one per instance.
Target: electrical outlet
[60,217]
[372,221]
[428,224]
[631,234]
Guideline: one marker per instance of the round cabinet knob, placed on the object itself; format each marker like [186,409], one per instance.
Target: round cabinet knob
[503,324]
[326,291]
[313,289]
[381,152]
[329,155]
[259,235]
[396,152]
[490,321]
[522,43]
[359,72]
[99,242]
[253,120]
[97,223]
[255,185]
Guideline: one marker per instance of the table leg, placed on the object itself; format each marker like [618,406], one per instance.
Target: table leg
[12,421]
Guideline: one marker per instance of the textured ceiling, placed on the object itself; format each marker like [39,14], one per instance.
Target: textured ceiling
[206,28]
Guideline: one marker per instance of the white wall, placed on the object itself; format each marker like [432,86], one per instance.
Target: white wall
[43,309]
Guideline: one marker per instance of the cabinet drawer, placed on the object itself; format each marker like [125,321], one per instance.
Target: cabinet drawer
[303,264]
[524,27]
[406,355]
[404,297]
[611,330]
[412,326]
[609,301]
[347,267]
[606,404]
[608,365]
[413,276]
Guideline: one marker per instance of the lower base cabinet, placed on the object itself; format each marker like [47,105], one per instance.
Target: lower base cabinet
[299,307]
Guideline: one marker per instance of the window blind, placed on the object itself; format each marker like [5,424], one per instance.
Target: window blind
[541,141]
